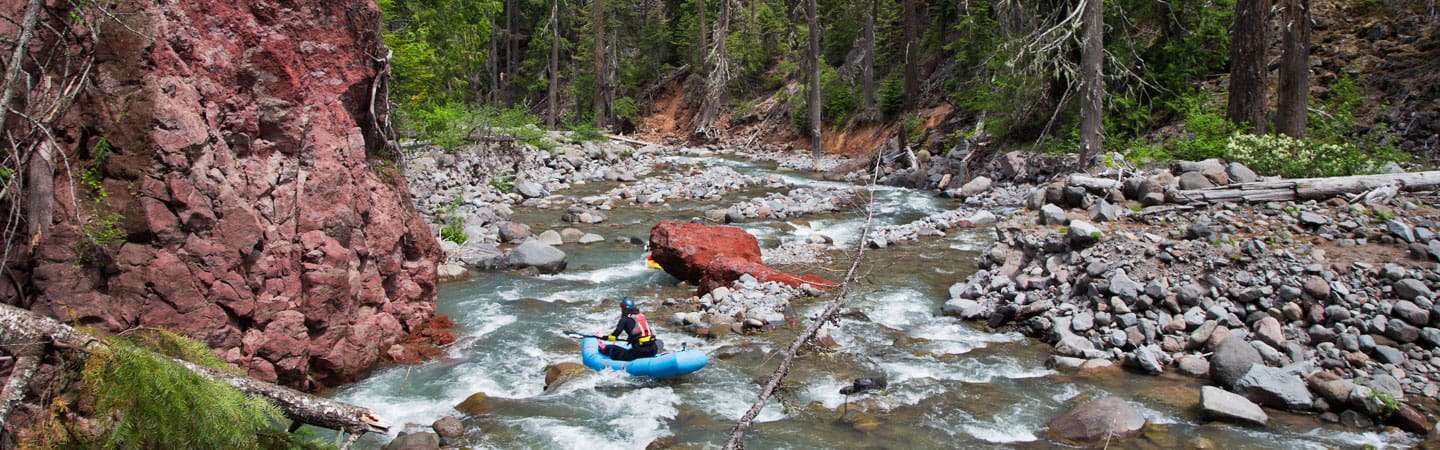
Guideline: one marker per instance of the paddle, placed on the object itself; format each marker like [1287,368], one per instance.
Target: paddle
[574,334]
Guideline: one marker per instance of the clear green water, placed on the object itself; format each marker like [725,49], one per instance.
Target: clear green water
[951,385]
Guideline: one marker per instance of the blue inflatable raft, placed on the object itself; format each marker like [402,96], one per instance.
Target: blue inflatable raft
[658,366]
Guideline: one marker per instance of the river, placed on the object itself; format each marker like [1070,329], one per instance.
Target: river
[951,384]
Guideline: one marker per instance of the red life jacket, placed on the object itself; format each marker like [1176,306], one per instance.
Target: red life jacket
[642,334]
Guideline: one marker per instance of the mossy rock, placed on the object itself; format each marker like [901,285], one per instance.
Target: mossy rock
[478,404]
[561,373]
[860,421]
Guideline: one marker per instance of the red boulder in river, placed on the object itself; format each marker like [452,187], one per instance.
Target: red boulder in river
[714,256]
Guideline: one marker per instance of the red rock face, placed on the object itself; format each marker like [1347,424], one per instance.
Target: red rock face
[714,256]
[244,144]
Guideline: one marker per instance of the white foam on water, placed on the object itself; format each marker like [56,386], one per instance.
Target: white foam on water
[899,308]
[1067,392]
[732,399]
[625,418]
[1002,429]
[396,407]
[1366,439]
[947,336]
[1154,416]
[825,390]
[603,275]
[969,370]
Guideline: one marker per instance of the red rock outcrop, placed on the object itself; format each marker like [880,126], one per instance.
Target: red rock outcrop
[247,164]
[714,256]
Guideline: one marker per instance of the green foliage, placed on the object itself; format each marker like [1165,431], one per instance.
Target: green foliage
[102,228]
[504,182]
[914,133]
[625,108]
[150,401]
[891,96]
[1387,403]
[454,229]
[1207,130]
[839,97]
[587,132]
[443,124]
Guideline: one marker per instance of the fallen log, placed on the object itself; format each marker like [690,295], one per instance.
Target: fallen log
[1307,188]
[1092,184]
[630,141]
[25,328]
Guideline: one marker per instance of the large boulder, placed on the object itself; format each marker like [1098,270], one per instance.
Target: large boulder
[533,253]
[1097,421]
[1232,360]
[714,256]
[1274,387]
[1219,404]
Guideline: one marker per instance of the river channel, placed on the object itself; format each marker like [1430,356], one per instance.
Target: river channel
[951,384]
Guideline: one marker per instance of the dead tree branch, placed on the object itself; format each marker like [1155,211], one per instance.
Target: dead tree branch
[738,432]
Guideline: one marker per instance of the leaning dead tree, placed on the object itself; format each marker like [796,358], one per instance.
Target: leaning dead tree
[1310,188]
[738,432]
[30,334]
[716,78]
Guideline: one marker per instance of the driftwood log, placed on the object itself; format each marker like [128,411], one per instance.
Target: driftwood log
[28,333]
[1308,188]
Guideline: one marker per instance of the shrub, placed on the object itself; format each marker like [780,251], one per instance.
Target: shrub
[586,131]
[625,108]
[454,229]
[1291,158]
[1208,131]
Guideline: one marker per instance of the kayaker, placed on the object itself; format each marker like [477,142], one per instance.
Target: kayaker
[637,331]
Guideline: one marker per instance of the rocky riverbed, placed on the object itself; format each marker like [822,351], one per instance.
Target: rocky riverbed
[1323,306]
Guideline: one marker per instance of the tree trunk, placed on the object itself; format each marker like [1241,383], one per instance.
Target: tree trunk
[40,190]
[554,64]
[912,34]
[1294,89]
[597,23]
[1092,58]
[492,63]
[25,327]
[814,59]
[1248,74]
[867,80]
[704,47]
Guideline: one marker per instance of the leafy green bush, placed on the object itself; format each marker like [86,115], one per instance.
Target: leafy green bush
[443,124]
[454,229]
[625,108]
[149,401]
[914,133]
[587,132]
[1208,131]
[1291,158]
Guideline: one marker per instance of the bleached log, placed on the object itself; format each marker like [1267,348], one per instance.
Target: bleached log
[1092,184]
[630,141]
[22,327]
[1308,188]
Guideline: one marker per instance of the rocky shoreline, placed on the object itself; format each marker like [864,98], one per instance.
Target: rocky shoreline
[1321,306]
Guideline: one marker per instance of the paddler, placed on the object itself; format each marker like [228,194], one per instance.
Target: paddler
[637,331]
